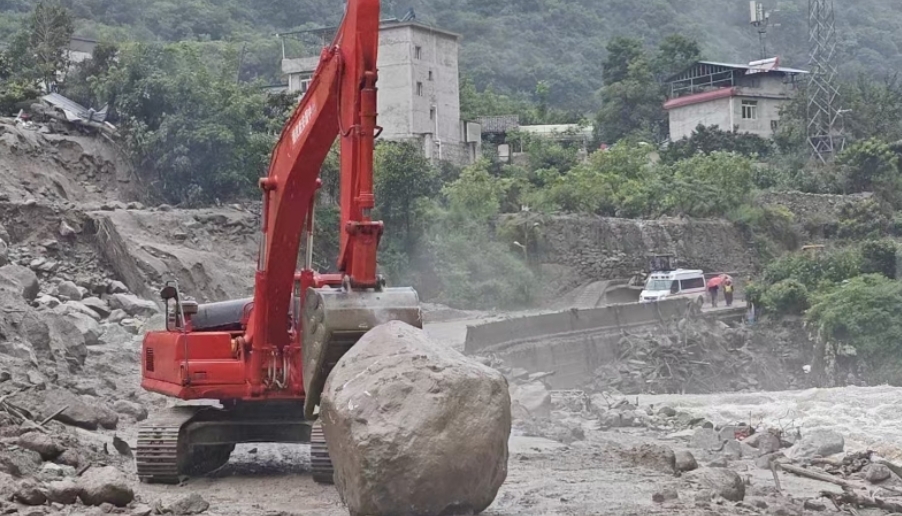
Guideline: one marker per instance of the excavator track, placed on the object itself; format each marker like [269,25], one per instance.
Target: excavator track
[321,463]
[160,456]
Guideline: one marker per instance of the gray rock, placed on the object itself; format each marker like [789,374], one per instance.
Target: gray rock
[666,411]
[116,287]
[105,484]
[721,481]
[17,349]
[88,328]
[133,305]
[66,230]
[142,510]
[132,326]
[19,463]
[189,505]
[48,301]
[705,439]
[4,253]
[70,458]
[685,461]
[29,493]
[35,330]
[97,305]
[135,410]
[63,491]
[876,473]
[654,456]
[67,341]
[814,505]
[40,443]
[117,316]
[77,307]
[70,290]
[83,412]
[667,495]
[433,399]
[20,280]
[820,443]
[534,397]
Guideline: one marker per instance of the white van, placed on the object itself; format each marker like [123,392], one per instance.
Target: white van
[680,283]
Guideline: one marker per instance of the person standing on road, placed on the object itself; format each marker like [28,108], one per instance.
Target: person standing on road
[712,289]
[728,291]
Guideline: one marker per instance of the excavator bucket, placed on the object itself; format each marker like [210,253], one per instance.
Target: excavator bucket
[335,319]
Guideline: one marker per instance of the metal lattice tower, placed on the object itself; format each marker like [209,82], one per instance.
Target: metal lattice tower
[825,126]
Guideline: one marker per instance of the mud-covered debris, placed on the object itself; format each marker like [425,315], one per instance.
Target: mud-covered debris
[105,484]
[723,482]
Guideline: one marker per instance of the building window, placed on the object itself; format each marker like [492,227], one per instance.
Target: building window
[430,75]
[750,110]
[420,89]
[773,125]
[432,114]
[418,52]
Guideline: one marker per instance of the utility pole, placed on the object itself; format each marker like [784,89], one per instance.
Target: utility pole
[825,124]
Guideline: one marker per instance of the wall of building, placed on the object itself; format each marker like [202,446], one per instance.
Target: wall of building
[683,120]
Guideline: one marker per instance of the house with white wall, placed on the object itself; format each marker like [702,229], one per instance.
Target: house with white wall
[734,97]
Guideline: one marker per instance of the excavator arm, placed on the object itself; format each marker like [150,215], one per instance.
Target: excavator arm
[340,103]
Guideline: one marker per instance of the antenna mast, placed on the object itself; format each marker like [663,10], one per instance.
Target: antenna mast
[760,19]
[825,124]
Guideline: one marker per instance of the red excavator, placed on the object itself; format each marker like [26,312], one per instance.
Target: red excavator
[266,358]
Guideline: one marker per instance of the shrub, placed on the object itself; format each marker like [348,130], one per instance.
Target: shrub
[787,297]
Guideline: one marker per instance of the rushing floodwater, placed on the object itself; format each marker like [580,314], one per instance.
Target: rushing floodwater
[868,417]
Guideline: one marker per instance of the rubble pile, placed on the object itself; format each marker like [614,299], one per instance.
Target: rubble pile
[696,356]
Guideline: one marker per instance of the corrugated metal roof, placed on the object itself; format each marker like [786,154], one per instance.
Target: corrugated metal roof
[74,110]
[749,67]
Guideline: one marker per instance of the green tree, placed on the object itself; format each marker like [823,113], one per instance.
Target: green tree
[194,133]
[476,195]
[862,313]
[39,51]
[403,177]
[706,140]
[871,166]
[622,53]
[675,54]
[632,105]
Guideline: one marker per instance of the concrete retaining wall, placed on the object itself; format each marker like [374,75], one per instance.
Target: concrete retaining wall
[572,343]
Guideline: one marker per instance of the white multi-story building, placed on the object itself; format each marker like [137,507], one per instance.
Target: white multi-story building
[740,98]
[419,90]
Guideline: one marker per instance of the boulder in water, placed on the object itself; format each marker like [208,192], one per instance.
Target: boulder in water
[414,427]
[820,443]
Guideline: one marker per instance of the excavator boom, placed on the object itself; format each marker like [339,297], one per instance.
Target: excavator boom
[267,358]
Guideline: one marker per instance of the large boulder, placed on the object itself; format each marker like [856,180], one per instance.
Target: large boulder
[67,340]
[820,443]
[414,427]
[21,280]
[40,443]
[105,484]
[87,327]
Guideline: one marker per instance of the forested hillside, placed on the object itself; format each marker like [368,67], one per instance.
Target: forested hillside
[508,44]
